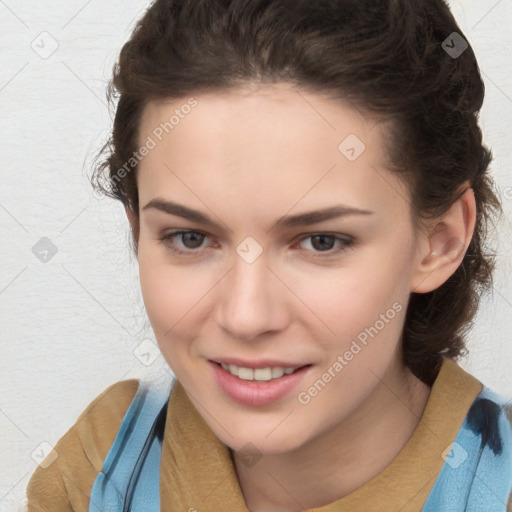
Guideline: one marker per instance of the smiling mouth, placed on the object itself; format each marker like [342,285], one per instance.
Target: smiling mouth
[259,374]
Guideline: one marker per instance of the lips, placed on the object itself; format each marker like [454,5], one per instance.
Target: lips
[262,363]
[255,392]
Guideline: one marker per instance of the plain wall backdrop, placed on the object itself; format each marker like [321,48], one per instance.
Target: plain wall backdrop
[72,315]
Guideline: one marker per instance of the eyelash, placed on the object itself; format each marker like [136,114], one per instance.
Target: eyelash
[346,243]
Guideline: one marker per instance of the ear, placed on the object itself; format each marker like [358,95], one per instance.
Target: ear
[443,247]
[133,219]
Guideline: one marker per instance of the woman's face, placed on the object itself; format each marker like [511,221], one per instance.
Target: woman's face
[263,282]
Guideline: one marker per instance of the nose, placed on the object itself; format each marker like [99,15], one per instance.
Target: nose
[252,300]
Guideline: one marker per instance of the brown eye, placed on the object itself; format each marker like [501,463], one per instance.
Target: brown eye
[192,239]
[323,244]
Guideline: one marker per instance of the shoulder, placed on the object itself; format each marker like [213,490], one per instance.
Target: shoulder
[490,418]
[98,424]
[67,482]
[490,421]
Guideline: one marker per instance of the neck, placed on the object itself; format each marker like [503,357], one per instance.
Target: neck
[329,467]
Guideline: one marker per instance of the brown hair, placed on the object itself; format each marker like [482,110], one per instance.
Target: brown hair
[384,56]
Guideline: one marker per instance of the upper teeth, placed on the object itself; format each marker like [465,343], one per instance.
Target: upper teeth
[257,374]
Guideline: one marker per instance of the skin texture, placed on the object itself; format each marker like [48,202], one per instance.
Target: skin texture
[246,159]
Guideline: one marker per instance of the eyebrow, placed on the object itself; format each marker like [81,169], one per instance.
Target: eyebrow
[285,222]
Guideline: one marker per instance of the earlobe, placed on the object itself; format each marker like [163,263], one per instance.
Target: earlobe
[444,249]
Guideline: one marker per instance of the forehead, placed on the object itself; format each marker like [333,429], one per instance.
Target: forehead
[275,142]
[277,110]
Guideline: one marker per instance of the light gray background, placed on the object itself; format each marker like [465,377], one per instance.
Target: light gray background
[75,324]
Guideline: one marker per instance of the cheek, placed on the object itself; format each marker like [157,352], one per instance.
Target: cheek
[173,295]
[168,303]
[159,290]
[344,302]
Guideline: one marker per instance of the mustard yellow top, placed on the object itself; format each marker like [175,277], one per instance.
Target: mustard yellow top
[197,471]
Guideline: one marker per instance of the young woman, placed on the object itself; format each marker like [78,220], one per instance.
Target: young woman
[309,199]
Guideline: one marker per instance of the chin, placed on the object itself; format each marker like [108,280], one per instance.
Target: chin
[258,444]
